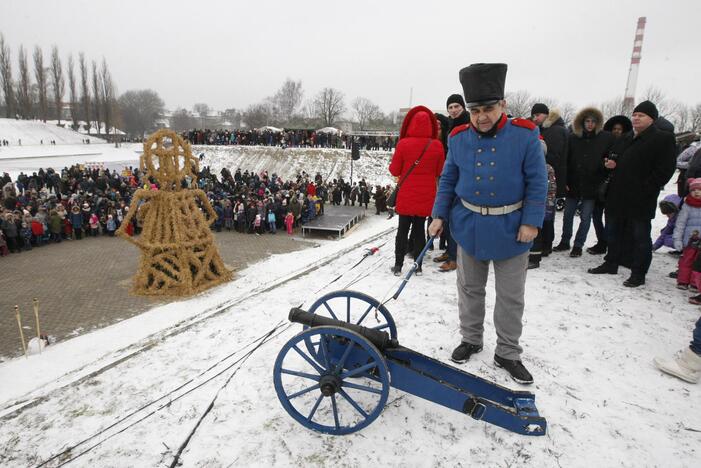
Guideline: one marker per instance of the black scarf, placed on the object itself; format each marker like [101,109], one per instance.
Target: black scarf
[492,131]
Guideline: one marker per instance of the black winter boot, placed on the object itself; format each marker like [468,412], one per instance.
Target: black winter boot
[605,268]
[463,352]
[561,247]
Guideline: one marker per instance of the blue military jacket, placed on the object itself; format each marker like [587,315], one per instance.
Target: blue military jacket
[493,171]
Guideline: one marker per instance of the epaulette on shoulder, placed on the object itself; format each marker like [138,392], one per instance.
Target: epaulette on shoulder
[524,123]
[458,129]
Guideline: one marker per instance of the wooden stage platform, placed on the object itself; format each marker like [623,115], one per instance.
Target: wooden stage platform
[336,220]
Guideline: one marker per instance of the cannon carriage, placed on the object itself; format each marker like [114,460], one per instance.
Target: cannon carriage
[335,375]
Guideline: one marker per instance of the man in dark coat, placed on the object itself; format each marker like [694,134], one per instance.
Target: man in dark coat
[587,147]
[555,135]
[645,165]
[618,126]
[455,105]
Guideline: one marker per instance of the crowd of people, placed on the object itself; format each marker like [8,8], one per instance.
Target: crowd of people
[499,180]
[49,206]
[288,139]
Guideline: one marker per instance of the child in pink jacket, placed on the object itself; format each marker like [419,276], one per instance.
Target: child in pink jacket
[289,222]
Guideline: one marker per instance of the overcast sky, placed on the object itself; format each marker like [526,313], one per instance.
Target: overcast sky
[235,53]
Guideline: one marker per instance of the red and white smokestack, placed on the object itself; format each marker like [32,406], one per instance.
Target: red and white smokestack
[629,96]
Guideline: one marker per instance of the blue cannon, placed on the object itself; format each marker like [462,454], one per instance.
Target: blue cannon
[334,376]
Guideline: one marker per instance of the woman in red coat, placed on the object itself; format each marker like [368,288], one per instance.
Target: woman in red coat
[415,198]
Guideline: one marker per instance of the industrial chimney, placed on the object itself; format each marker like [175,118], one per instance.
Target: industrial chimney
[629,95]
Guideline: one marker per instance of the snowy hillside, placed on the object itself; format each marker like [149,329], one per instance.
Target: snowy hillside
[330,163]
[28,159]
[32,132]
[136,389]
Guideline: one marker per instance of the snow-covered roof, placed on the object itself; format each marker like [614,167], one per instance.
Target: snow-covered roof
[270,128]
[332,130]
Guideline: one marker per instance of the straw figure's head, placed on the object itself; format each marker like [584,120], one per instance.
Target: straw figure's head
[173,159]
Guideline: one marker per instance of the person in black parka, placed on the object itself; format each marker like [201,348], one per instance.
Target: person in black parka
[588,145]
[645,166]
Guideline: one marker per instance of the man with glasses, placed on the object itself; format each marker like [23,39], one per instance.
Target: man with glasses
[492,190]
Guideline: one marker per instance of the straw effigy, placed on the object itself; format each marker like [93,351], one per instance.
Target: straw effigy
[178,253]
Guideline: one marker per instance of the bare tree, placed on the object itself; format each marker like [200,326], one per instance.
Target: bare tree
[72,92]
[202,110]
[6,82]
[40,77]
[288,99]
[24,97]
[567,112]
[140,110]
[58,83]
[612,107]
[519,103]
[180,121]
[696,117]
[680,116]
[232,116]
[330,105]
[107,94]
[85,90]
[309,110]
[96,96]
[365,111]
[258,115]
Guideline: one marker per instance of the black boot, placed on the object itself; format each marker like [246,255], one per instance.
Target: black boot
[561,247]
[598,249]
[515,368]
[634,281]
[533,261]
[576,252]
[397,270]
[463,352]
[605,268]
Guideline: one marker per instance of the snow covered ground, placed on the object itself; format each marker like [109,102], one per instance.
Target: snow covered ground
[588,341]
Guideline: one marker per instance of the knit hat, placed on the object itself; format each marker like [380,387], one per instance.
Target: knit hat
[455,99]
[694,184]
[539,108]
[648,108]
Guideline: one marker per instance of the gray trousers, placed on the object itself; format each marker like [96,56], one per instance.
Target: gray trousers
[510,279]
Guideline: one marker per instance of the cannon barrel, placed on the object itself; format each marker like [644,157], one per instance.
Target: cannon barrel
[379,338]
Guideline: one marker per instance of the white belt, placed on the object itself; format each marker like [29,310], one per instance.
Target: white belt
[492,210]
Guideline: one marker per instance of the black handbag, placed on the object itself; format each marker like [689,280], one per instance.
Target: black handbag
[392,199]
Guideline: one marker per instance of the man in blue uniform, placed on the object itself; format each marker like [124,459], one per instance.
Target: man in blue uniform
[492,191]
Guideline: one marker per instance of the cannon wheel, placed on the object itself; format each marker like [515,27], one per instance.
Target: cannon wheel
[320,395]
[352,307]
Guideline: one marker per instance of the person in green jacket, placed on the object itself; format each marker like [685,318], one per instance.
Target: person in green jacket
[55,225]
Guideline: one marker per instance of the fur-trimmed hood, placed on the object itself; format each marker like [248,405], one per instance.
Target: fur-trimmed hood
[578,122]
[553,118]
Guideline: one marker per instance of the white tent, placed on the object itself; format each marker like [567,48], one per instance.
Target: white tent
[331,130]
[270,129]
